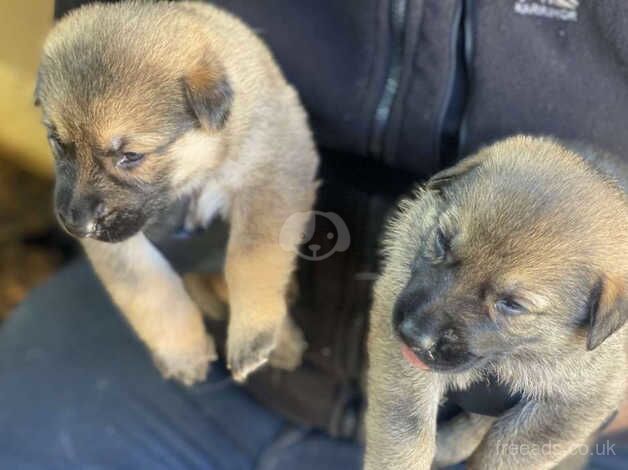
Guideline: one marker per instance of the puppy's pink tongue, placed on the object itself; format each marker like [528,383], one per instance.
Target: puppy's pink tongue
[413,359]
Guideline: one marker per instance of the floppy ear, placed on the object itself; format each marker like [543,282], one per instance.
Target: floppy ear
[209,93]
[446,176]
[608,310]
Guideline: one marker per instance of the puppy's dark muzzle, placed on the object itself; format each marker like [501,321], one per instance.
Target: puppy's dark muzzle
[79,218]
[441,347]
[418,339]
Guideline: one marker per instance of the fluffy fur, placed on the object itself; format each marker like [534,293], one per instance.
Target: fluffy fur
[148,103]
[512,263]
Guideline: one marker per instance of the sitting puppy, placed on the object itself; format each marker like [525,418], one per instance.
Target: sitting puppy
[147,104]
[512,264]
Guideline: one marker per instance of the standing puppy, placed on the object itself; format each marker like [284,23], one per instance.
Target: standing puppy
[150,103]
[512,264]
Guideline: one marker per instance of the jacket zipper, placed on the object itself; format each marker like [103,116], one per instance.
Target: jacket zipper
[457,77]
[398,9]
[469,51]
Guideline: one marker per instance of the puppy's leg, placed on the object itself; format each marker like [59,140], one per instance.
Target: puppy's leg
[257,277]
[402,405]
[209,292]
[152,298]
[578,460]
[258,271]
[290,346]
[539,434]
[456,440]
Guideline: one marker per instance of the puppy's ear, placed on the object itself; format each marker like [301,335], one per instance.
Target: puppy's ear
[444,177]
[209,93]
[608,310]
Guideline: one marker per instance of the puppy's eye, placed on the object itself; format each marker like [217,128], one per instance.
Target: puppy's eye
[129,159]
[509,307]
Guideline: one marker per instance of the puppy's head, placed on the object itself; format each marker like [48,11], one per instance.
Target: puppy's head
[135,105]
[519,250]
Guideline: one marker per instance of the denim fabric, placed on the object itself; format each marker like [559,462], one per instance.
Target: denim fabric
[79,391]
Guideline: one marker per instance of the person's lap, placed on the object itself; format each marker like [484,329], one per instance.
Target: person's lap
[79,391]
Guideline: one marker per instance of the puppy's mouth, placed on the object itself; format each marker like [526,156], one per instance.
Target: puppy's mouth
[427,362]
[116,233]
[89,231]
[106,232]
[413,359]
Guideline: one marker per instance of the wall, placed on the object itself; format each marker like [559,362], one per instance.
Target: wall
[23,26]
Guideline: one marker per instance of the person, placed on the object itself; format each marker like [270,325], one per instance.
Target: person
[396,90]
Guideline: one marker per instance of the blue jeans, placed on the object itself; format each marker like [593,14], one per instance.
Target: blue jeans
[77,390]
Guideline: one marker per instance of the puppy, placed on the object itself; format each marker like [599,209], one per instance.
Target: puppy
[147,104]
[511,264]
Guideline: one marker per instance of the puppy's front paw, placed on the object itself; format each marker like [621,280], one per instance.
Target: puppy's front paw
[249,350]
[187,363]
[291,345]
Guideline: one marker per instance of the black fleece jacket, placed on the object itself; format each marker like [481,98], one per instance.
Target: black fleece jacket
[398,89]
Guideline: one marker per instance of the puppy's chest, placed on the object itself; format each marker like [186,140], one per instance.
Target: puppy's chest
[485,395]
[210,201]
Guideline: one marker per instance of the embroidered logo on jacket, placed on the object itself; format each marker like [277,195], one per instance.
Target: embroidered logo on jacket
[565,10]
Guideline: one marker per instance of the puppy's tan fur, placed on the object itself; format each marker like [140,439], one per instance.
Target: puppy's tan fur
[552,224]
[249,156]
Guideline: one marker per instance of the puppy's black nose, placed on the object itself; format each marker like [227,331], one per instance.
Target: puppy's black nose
[80,215]
[415,335]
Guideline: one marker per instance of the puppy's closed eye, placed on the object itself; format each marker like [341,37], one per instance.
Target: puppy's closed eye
[128,160]
[509,307]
